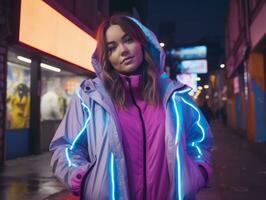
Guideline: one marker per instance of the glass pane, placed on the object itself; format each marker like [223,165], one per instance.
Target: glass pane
[18,93]
[57,90]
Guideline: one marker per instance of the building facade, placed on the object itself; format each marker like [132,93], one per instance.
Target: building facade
[45,51]
[245,48]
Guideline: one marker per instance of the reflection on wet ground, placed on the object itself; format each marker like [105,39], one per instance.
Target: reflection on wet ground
[28,178]
[28,187]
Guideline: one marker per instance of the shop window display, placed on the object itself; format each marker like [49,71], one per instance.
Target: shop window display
[18,96]
[56,94]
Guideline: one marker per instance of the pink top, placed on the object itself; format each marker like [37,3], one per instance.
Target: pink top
[143,138]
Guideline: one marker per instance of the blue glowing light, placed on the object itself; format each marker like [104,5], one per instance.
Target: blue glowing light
[179,173]
[80,132]
[177,119]
[112,176]
[177,137]
[184,91]
[199,125]
[177,148]
[67,156]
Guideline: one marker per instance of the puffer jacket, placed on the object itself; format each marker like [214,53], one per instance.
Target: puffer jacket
[89,138]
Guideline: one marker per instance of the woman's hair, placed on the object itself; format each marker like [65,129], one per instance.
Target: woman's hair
[111,79]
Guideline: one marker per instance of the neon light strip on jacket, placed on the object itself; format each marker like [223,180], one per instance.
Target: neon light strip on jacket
[177,149]
[112,177]
[177,120]
[184,91]
[80,132]
[194,144]
[76,139]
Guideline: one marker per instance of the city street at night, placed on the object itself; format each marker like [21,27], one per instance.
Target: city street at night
[132,100]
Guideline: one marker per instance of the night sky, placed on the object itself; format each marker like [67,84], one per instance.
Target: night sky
[195,19]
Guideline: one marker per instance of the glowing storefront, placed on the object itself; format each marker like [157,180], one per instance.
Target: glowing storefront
[51,59]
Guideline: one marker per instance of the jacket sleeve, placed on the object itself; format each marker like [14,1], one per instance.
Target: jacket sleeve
[199,139]
[69,145]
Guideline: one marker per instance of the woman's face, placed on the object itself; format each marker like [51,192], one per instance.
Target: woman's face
[124,53]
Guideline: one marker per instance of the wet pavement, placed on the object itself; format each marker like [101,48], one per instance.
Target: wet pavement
[239,167]
[28,178]
[239,174]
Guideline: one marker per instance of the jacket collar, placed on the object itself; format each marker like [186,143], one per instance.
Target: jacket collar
[96,91]
[167,87]
[100,95]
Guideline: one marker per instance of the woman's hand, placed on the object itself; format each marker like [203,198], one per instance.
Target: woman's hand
[76,180]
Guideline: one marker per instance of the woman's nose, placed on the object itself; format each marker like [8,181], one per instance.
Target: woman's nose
[123,49]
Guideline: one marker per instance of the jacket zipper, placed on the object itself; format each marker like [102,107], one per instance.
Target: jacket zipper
[143,136]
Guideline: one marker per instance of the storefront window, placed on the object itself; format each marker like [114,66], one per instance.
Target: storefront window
[57,90]
[18,93]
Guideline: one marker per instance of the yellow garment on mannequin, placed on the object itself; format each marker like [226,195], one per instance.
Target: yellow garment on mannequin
[19,111]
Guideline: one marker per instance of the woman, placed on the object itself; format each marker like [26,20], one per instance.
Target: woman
[129,133]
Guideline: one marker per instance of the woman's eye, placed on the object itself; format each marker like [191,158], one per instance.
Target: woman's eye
[111,49]
[128,39]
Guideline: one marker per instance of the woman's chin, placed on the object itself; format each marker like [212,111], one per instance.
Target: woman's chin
[132,71]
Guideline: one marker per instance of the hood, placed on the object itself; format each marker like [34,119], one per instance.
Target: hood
[157,53]
[154,48]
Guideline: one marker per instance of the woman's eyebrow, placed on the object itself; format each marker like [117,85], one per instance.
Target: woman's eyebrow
[113,42]
[125,35]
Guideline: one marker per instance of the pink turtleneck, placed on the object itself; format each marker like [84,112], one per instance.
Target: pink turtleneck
[143,138]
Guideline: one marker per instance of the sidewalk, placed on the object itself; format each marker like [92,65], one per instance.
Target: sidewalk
[239,171]
[28,178]
[239,174]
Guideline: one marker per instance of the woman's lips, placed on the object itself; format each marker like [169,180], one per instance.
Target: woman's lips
[127,60]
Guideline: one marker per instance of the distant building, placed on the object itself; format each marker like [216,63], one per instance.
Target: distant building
[246,67]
